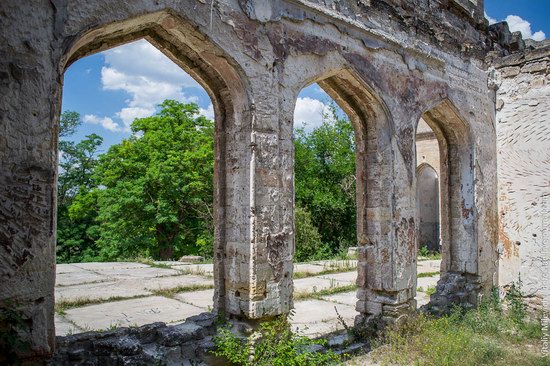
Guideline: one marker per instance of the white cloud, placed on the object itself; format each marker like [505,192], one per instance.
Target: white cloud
[491,20]
[309,113]
[208,112]
[129,114]
[148,76]
[106,122]
[518,24]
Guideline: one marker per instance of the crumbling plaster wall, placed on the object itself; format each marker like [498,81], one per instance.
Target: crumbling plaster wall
[523,140]
[387,62]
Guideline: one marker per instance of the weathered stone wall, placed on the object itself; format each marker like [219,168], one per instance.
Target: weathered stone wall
[387,63]
[188,343]
[523,131]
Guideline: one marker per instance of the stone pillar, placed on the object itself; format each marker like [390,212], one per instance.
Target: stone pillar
[258,267]
[387,260]
[29,101]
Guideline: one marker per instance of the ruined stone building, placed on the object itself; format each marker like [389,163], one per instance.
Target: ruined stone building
[483,91]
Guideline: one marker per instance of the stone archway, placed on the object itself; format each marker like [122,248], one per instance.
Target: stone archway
[459,248]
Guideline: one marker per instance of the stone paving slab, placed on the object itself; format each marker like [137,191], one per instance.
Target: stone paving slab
[317,317]
[308,268]
[199,269]
[67,268]
[349,277]
[128,288]
[421,299]
[128,279]
[99,291]
[140,273]
[203,299]
[78,278]
[346,298]
[172,282]
[131,313]
[101,266]
[426,282]
[428,266]
[63,327]
[316,284]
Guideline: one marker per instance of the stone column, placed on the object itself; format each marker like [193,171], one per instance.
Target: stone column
[258,266]
[29,109]
[387,260]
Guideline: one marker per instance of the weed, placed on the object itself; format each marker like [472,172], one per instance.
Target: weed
[318,294]
[331,270]
[427,274]
[491,336]
[430,290]
[62,305]
[425,254]
[172,291]
[273,344]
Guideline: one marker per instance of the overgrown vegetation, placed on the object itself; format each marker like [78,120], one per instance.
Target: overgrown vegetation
[274,344]
[488,335]
[425,254]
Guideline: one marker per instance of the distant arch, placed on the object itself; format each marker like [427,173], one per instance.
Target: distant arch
[427,203]
[458,239]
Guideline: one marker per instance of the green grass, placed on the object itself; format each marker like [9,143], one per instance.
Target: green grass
[305,274]
[318,294]
[427,274]
[430,290]
[62,305]
[172,291]
[483,336]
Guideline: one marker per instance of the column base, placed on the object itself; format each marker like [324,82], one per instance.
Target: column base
[454,289]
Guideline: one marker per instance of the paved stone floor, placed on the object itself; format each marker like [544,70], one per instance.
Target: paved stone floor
[99,296]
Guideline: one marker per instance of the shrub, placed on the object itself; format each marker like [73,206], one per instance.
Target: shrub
[423,251]
[274,344]
[308,240]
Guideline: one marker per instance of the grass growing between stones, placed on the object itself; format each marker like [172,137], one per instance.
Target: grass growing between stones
[305,274]
[62,305]
[485,336]
[427,274]
[172,291]
[329,291]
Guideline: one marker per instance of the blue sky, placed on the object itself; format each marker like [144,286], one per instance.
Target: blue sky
[112,88]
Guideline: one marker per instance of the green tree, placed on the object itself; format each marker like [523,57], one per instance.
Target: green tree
[76,166]
[68,123]
[156,191]
[325,179]
[309,245]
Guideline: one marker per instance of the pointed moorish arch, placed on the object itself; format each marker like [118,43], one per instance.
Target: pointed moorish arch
[379,280]
[226,86]
[457,198]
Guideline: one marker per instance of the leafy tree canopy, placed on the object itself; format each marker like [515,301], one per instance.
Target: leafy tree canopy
[155,197]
